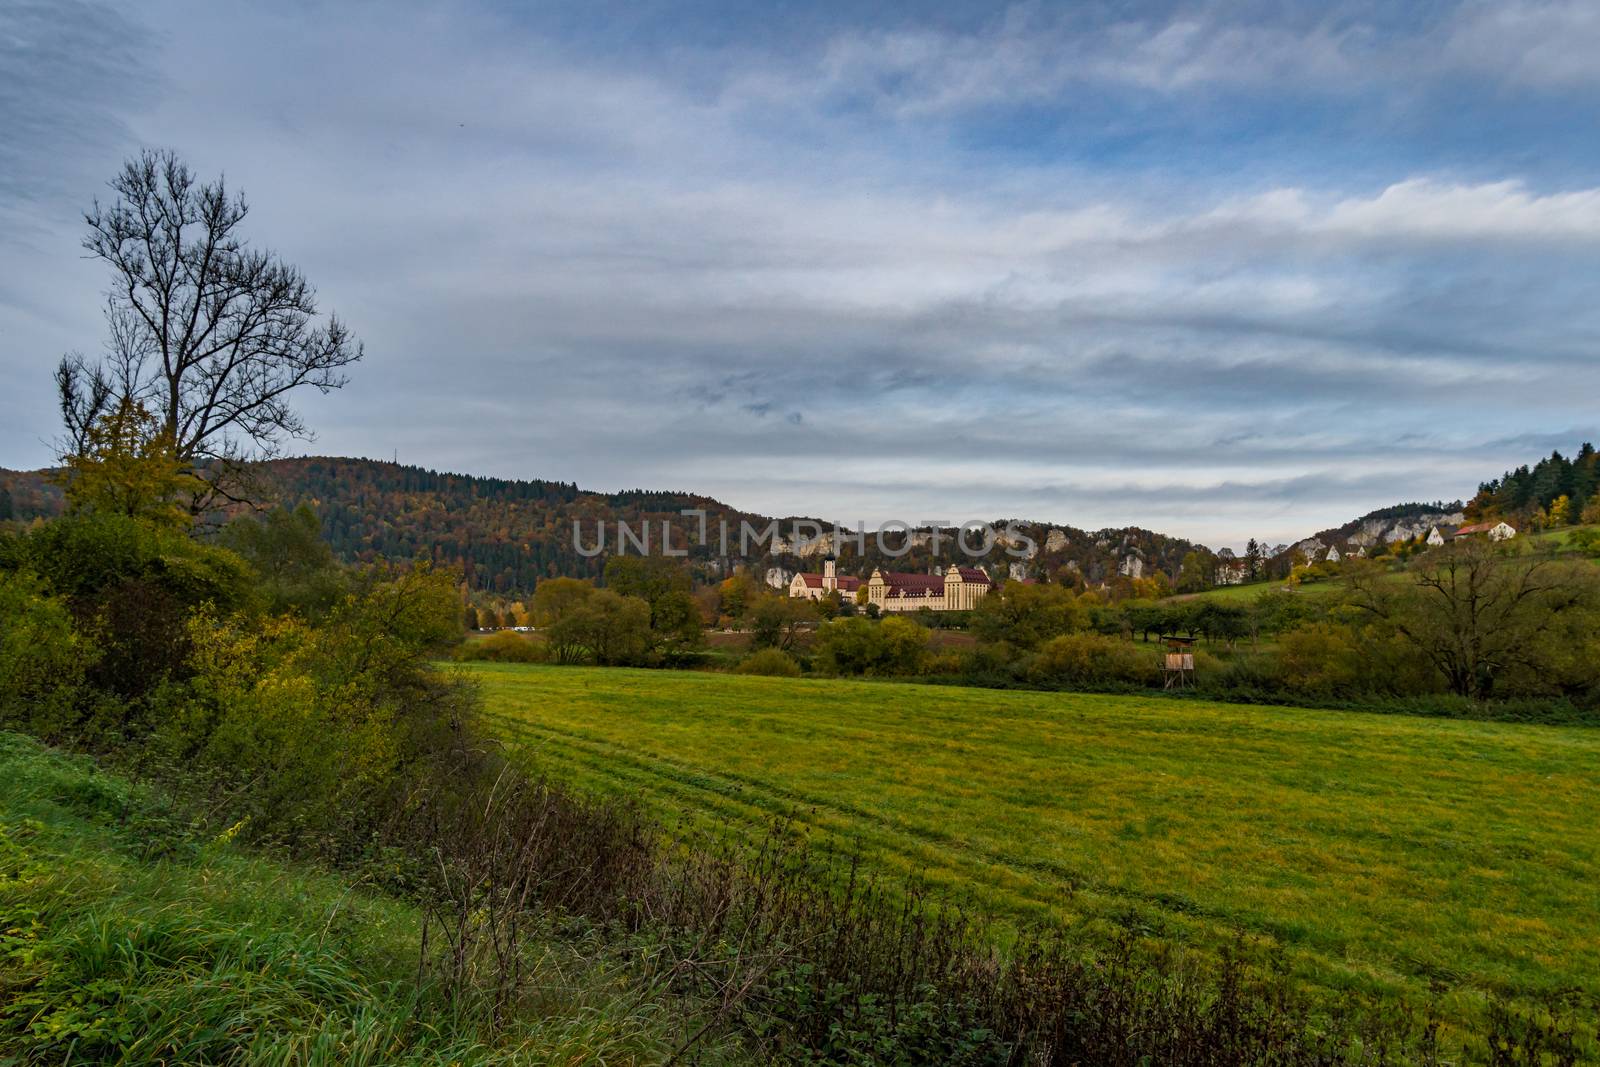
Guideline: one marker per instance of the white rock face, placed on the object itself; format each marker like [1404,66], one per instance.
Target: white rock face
[1131,566]
[778,577]
[825,544]
[1017,571]
[1028,550]
[1055,541]
[1387,531]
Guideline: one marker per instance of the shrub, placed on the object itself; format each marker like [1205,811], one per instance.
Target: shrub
[772,662]
[1252,675]
[82,557]
[42,659]
[1320,657]
[133,587]
[1585,540]
[296,567]
[893,646]
[1090,659]
[265,697]
[505,646]
[949,661]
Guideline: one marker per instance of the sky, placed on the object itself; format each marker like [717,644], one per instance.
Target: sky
[1219,270]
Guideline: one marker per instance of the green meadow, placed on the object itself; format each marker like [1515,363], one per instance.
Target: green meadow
[1387,855]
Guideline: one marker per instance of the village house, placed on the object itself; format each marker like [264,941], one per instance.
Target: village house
[1495,531]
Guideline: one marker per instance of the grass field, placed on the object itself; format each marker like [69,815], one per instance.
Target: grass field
[1385,853]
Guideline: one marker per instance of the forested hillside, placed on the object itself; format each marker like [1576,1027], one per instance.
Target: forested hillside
[506,535]
[1556,491]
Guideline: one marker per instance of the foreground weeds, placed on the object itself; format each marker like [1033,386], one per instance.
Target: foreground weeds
[126,936]
[819,962]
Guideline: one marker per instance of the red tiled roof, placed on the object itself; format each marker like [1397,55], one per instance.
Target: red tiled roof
[846,582]
[901,580]
[1477,527]
[973,574]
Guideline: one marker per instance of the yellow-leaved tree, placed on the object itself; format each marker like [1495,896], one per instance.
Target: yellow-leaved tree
[128,466]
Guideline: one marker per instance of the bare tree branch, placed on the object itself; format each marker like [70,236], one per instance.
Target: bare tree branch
[207,333]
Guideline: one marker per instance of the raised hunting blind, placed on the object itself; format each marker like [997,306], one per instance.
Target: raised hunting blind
[1177,661]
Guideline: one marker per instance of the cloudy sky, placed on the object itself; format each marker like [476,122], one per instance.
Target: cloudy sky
[1220,270]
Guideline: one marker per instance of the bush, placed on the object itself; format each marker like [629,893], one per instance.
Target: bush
[1256,676]
[948,661]
[1585,540]
[82,557]
[1090,659]
[42,659]
[505,646]
[893,646]
[132,588]
[296,567]
[266,696]
[1321,657]
[771,662]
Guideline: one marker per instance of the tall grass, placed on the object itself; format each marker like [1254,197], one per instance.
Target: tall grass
[127,938]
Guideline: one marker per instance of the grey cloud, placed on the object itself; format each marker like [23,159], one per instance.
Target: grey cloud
[567,269]
[70,72]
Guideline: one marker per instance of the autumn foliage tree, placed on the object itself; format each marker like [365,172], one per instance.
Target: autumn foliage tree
[126,465]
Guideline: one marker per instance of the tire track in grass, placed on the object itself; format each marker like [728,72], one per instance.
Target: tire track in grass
[1022,890]
[1332,944]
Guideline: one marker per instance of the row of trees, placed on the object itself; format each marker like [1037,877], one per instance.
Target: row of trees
[1472,620]
[1556,491]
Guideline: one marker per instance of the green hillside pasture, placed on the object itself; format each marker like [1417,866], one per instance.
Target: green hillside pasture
[1245,595]
[1386,854]
[124,939]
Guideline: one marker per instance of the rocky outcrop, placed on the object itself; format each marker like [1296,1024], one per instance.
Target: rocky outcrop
[1387,531]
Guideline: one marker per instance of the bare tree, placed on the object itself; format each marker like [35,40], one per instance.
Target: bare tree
[1477,610]
[208,334]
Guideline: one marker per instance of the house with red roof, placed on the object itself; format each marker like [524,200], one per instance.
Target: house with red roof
[817,586]
[1494,531]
